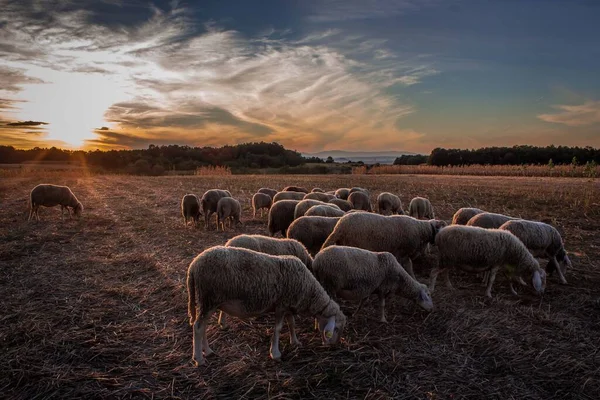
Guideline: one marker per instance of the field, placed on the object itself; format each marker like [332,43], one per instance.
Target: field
[96,308]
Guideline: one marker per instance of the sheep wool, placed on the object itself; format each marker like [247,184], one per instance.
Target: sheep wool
[269,191]
[209,202]
[324,211]
[388,204]
[304,205]
[228,208]
[288,196]
[281,215]
[312,231]
[421,208]
[463,215]
[261,201]
[360,201]
[48,195]
[324,197]
[190,208]
[344,205]
[489,220]
[295,189]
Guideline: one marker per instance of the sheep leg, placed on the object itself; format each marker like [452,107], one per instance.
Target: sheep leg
[292,327]
[360,304]
[493,272]
[253,212]
[382,309]
[30,214]
[221,322]
[433,277]
[447,279]
[274,352]
[199,341]
[62,213]
[553,265]
[512,289]
[408,266]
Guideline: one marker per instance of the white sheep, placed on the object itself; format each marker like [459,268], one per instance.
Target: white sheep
[244,283]
[317,189]
[259,202]
[288,196]
[324,197]
[228,208]
[388,203]
[463,215]
[544,241]
[355,274]
[342,193]
[48,195]
[304,205]
[281,215]
[403,236]
[479,250]
[344,205]
[360,201]
[295,189]
[324,211]
[489,220]
[190,208]
[421,208]
[312,231]
[269,191]
[209,202]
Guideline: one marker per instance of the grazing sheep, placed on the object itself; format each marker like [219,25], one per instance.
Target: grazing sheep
[288,196]
[295,189]
[489,220]
[190,208]
[228,208]
[209,202]
[388,203]
[342,193]
[281,215]
[358,189]
[269,191]
[305,205]
[543,241]
[245,283]
[260,201]
[360,201]
[317,190]
[420,208]
[48,195]
[355,274]
[324,197]
[344,205]
[324,210]
[477,250]
[463,215]
[405,237]
[312,231]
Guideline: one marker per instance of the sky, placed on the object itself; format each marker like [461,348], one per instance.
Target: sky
[313,75]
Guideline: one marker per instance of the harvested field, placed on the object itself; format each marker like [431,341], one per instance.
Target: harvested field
[96,308]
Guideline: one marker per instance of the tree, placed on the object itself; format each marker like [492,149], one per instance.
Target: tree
[329,160]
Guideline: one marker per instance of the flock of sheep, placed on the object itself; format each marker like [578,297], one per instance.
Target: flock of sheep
[335,246]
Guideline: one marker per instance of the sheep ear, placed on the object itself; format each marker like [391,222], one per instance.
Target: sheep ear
[329,327]
[537,281]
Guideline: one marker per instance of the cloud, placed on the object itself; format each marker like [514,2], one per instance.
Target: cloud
[587,113]
[26,123]
[327,11]
[13,79]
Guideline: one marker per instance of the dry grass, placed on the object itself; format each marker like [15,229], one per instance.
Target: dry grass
[96,308]
[213,170]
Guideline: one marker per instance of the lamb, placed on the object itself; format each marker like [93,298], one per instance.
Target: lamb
[245,283]
[312,231]
[403,236]
[288,196]
[209,202]
[317,190]
[190,208]
[355,274]
[269,191]
[463,215]
[260,201]
[477,249]
[324,211]
[295,189]
[281,215]
[388,203]
[48,195]
[360,201]
[489,220]
[304,205]
[544,241]
[342,193]
[420,208]
[344,205]
[324,197]
[228,208]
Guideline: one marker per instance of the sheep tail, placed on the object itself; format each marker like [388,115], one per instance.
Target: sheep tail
[191,286]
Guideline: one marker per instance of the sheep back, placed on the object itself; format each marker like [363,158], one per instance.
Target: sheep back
[281,215]
[288,196]
[420,208]
[272,246]
[360,201]
[463,215]
[489,220]
[388,203]
[312,231]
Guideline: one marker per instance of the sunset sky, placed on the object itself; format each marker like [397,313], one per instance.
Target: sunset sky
[310,74]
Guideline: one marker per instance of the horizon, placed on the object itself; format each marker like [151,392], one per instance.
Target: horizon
[330,76]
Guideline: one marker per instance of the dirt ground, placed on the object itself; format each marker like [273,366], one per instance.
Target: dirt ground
[96,307]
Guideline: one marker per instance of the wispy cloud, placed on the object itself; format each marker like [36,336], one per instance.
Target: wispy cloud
[326,11]
[584,114]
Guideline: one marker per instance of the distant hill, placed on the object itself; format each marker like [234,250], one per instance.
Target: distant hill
[368,157]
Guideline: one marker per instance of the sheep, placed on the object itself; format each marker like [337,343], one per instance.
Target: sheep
[388,203]
[463,215]
[324,210]
[190,208]
[269,191]
[295,189]
[209,202]
[260,201]
[228,208]
[317,190]
[324,197]
[544,241]
[489,220]
[245,283]
[312,231]
[48,195]
[477,249]
[288,196]
[355,274]
[358,189]
[342,193]
[420,208]
[344,205]
[304,205]
[281,216]
[403,236]
[360,201]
